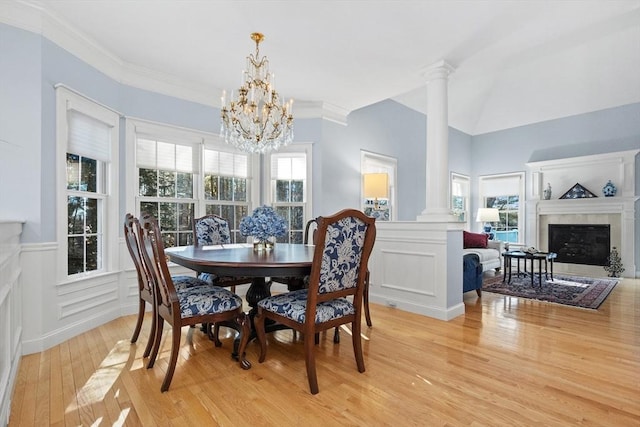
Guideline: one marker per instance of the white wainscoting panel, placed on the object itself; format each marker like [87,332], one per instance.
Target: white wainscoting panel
[405,271]
[60,311]
[10,313]
[410,269]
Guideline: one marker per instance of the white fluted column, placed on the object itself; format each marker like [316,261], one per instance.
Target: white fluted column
[437,183]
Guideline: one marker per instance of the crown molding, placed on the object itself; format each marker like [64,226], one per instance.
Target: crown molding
[322,110]
[33,16]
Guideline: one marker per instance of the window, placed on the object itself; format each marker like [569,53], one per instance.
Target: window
[460,192]
[505,192]
[166,187]
[382,208]
[87,144]
[289,193]
[182,174]
[226,183]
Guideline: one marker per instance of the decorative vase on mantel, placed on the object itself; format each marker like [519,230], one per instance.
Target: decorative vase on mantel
[546,194]
[609,190]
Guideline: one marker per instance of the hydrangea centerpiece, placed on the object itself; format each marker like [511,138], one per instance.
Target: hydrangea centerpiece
[264,224]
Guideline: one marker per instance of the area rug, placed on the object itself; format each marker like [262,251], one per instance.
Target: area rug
[585,292]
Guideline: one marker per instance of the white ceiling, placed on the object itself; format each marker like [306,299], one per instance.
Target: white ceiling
[516,62]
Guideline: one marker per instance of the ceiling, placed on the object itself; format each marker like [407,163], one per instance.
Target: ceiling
[516,62]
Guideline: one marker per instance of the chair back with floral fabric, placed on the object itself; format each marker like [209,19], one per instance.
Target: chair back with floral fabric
[343,244]
[211,230]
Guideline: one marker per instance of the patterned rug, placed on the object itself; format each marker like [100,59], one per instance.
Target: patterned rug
[576,291]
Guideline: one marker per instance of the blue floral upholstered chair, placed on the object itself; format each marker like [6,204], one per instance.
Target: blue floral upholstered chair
[344,243]
[214,230]
[180,307]
[145,288]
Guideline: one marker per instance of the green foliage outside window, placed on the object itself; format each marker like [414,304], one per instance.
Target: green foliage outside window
[83,215]
[289,191]
[174,217]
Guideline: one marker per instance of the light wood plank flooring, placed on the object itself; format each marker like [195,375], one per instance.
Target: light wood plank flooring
[506,362]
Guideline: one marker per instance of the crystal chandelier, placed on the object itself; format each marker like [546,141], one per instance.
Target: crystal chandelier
[257,121]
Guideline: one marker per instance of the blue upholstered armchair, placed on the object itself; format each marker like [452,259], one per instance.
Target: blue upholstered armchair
[472,274]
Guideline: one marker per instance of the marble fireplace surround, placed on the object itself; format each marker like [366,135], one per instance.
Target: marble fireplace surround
[592,172]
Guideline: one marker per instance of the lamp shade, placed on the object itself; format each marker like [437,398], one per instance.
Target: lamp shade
[487,215]
[376,185]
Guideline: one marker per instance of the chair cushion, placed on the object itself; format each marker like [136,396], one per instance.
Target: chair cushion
[186,281]
[474,240]
[292,305]
[213,279]
[199,300]
[483,254]
[210,278]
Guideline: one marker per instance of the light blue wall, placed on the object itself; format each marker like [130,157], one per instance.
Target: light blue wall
[393,130]
[605,131]
[20,124]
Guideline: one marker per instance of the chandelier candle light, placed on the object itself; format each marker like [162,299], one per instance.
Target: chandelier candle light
[258,120]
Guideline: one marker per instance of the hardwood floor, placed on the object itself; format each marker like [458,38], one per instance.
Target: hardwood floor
[506,362]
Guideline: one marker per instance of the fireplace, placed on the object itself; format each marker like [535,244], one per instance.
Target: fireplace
[580,243]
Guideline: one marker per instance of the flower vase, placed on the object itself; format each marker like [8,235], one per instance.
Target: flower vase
[260,245]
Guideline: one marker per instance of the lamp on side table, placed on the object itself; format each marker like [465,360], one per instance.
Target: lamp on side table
[488,216]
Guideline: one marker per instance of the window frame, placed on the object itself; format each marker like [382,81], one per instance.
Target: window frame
[464,216]
[518,179]
[305,148]
[68,100]
[379,163]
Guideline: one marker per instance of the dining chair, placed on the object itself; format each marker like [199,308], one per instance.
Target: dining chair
[145,289]
[214,230]
[180,307]
[343,245]
[294,283]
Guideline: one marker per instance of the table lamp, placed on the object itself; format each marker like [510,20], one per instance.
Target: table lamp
[376,185]
[487,216]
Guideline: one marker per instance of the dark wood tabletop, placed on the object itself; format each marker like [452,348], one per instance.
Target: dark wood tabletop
[241,260]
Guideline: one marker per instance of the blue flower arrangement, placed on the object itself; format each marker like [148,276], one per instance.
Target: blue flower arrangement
[263,223]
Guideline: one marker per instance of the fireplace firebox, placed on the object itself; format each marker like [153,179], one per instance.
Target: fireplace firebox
[580,243]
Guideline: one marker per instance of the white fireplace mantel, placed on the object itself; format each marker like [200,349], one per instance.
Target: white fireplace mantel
[592,172]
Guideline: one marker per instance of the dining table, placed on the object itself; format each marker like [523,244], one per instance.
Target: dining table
[241,259]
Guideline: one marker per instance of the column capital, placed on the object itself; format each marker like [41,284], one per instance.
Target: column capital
[438,70]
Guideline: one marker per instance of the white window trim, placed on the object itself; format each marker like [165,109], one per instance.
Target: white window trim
[467,209]
[67,99]
[484,180]
[299,147]
[369,159]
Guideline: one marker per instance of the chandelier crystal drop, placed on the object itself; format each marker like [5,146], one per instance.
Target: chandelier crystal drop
[258,120]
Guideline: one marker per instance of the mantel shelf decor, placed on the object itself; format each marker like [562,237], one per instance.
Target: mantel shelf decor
[264,225]
[578,192]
